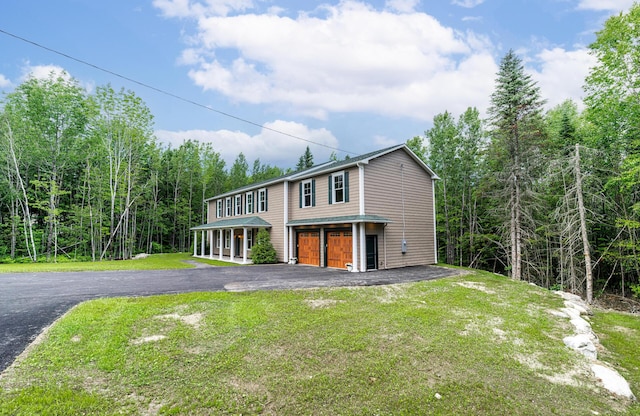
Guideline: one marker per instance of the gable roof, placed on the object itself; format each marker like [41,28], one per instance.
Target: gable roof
[330,166]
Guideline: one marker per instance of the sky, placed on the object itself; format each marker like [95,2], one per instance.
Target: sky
[269,77]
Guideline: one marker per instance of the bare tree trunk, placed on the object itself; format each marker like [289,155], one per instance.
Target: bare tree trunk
[583,228]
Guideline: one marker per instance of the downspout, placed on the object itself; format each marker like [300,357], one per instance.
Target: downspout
[435,239]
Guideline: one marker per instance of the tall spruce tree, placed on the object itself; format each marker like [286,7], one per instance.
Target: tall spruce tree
[515,116]
[306,160]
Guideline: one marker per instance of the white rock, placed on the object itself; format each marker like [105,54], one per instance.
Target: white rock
[568,296]
[438,396]
[579,306]
[612,381]
[583,344]
[572,313]
[581,326]
[559,314]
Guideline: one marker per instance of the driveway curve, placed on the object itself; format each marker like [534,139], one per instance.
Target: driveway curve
[29,302]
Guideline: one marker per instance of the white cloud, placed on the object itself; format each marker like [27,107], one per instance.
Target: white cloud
[562,74]
[402,6]
[467,3]
[189,8]
[605,5]
[44,72]
[349,58]
[268,146]
[4,82]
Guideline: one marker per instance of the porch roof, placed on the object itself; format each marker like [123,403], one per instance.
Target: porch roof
[340,220]
[253,222]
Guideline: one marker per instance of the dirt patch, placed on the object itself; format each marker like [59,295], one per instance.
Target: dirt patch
[192,320]
[477,286]
[320,303]
[150,338]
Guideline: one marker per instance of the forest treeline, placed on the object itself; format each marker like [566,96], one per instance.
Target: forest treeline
[551,197]
[83,176]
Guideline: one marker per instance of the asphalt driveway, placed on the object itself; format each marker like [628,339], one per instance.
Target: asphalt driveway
[29,302]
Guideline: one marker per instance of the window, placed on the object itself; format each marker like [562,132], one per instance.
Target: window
[218,237]
[238,204]
[227,238]
[249,238]
[219,208]
[248,200]
[308,193]
[339,187]
[262,200]
[228,207]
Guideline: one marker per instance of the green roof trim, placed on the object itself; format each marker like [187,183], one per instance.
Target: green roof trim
[253,222]
[340,220]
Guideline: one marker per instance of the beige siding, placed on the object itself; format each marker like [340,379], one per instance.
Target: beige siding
[274,215]
[323,209]
[384,190]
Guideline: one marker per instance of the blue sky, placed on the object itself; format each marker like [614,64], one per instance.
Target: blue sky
[351,75]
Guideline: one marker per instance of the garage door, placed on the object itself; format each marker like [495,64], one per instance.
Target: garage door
[339,248]
[309,248]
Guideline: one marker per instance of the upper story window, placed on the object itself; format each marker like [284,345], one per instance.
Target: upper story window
[219,208]
[228,207]
[238,204]
[248,200]
[262,200]
[339,187]
[307,193]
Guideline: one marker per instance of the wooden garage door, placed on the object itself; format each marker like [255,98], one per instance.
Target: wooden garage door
[309,248]
[339,248]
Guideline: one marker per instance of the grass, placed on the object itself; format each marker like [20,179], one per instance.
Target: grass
[478,344]
[153,262]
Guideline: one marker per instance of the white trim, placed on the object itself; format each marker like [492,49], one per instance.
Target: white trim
[228,209]
[249,196]
[237,205]
[219,208]
[435,239]
[333,187]
[361,187]
[245,244]
[304,195]
[286,220]
[262,191]
[227,239]
[211,244]
[354,247]
[363,244]
[195,243]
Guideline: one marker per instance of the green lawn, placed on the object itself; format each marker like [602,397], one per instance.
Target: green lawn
[153,262]
[478,344]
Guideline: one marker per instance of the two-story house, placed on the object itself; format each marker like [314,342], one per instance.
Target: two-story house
[375,211]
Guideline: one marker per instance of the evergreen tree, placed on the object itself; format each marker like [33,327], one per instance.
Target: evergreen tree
[262,251]
[306,160]
[515,116]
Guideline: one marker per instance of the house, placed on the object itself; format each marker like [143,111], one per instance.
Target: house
[375,211]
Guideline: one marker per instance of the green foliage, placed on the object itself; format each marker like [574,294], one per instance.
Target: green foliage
[635,289]
[262,251]
[306,160]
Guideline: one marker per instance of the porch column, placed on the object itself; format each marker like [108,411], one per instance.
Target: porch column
[195,243]
[245,245]
[202,243]
[211,244]
[232,244]
[354,246]
[363,248]
[291,252]
[220,243]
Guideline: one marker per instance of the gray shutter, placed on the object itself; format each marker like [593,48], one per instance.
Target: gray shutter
[346,187]
[330,189]
[313,192]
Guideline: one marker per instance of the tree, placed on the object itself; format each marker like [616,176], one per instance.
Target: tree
[238,174]
[515,116]
[262,251]
[305,161]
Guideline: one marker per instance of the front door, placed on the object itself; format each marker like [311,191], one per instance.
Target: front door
[372,252]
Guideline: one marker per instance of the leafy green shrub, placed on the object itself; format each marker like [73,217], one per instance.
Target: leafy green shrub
[636,290]
[262,251]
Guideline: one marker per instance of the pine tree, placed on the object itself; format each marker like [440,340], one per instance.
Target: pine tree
[515,115]
[306,160]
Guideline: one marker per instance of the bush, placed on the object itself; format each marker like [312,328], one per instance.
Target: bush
[636,290]
[262,251]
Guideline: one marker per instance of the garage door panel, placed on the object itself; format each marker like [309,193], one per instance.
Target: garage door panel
[309,248]
[339,248]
